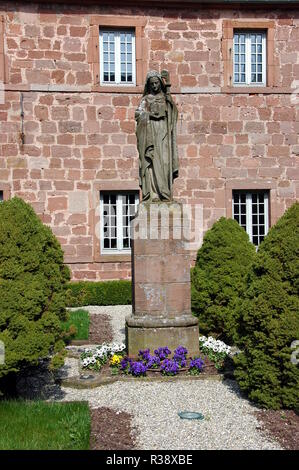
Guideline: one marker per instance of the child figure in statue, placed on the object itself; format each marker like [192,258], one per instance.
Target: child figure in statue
[156,118]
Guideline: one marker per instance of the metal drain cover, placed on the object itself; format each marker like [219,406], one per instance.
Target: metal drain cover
[190,415]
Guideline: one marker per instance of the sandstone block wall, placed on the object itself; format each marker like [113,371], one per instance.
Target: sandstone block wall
[76,138]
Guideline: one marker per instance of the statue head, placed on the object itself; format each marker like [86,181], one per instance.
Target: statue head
[153,83]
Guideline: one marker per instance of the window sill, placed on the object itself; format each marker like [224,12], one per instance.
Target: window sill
[114,258]
[256,89]
[117,89]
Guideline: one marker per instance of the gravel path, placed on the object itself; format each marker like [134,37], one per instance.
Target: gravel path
[229,422]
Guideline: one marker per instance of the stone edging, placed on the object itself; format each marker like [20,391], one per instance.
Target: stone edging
[75,382]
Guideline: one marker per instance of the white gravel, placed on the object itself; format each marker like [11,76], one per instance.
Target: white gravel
[117,314]
[229,422]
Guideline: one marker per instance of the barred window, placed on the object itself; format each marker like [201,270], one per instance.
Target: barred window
[116,213]
[249,58]
[117,57]
[251,211]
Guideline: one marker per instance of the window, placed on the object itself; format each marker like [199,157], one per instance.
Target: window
[1,196]
[116,213]
[248,54]
[117,57]
[249,58]
[118,53]
[251,211]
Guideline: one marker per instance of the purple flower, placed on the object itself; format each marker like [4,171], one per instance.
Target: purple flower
[125,365]
[137,368]
[153,362]
[196,365]
[169,367]
[181,351]
[144,354]
[162,353]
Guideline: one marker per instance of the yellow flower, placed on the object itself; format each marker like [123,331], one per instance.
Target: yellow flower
[115,360]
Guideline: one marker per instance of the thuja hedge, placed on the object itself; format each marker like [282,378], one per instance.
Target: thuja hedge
[219,277]
[33,279]
[84,293]
[269,319]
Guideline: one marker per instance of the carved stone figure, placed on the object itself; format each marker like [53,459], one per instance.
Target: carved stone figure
[156,119]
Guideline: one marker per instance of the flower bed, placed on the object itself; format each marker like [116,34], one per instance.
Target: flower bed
[160,361]
[111,359]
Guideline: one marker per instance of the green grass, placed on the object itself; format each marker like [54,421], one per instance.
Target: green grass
[80,319]
[37,425]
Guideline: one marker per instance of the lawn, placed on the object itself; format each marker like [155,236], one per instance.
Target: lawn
[37,425]
[80,319]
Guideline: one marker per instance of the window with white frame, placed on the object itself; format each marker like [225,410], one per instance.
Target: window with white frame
[117,57]
[251,211]
[116,213]
[249,58]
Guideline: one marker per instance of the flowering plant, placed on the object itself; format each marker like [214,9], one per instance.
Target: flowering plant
[125,365]
[152,362]
[94,359]
[196,366]
[162,353]
[180,356]
[138,369]
[216,350]
[169,367]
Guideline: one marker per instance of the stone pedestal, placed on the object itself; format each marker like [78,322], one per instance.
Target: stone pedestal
[160,282]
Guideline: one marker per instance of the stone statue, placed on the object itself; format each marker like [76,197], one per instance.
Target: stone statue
[156,119]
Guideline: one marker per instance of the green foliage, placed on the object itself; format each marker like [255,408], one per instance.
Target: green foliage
[32,286]
[99,293]
[39,425]
[78,321]
[269,319]
[218,278]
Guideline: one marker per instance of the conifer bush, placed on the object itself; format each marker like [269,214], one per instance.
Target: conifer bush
[32,288]
[219,278]
[269,319]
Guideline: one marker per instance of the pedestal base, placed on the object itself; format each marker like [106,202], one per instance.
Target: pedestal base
[160,282]
[146,334]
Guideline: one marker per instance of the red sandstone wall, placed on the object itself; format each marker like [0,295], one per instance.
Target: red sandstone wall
[77,139]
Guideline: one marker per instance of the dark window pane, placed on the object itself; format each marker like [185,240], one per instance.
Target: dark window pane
[255,240]
[113,242]
[254,219]
[243,219]
[243,198]
[261,219]
[236,209]
[113,199]
[243,208]
[254,198]
[254,230]
[106,243]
